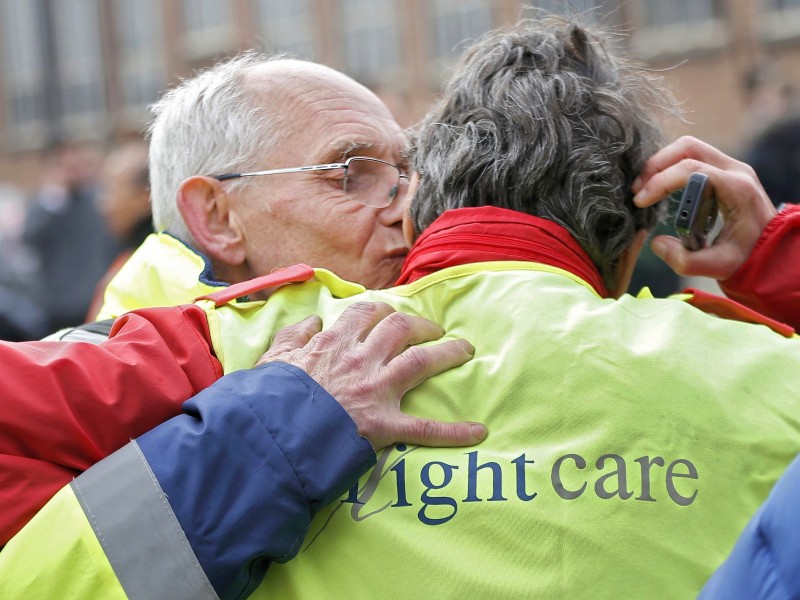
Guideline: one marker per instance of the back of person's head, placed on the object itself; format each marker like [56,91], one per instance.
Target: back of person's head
[212,123]
[544,118]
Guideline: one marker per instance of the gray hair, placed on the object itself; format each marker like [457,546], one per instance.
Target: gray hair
[544,118]
[207,125]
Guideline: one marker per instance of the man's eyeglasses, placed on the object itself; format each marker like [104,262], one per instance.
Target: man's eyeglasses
[368,181]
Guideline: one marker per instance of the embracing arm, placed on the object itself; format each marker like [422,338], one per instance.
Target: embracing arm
[70,404]
[200,506]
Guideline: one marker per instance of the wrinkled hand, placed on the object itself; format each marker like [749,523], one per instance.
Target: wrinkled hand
[743,203]
[368,360]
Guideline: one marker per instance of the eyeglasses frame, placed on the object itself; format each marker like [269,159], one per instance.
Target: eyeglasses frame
[310,168]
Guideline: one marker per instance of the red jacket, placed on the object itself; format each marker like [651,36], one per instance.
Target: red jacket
[70,404]
[769,281]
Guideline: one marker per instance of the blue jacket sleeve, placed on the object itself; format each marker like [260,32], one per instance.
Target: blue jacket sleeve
[250,464]
[211,497]
[765,562]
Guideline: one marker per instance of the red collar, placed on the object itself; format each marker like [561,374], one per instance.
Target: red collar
[487,233]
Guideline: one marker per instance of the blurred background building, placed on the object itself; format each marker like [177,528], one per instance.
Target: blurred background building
[84,71]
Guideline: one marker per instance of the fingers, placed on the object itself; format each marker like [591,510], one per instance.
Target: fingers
[397,331]
[425,432]
[694,154]
[746,210]
[668,181]
[386,424]
[672,252]
[359,319]
[669,168]
[291,338]
[718,261]
[418,363]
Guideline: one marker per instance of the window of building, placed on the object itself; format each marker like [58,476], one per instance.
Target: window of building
[457,23]
[606,11]
[370,40]
[781,4]
[678,27]
[287,26]
[79,64]
[779,19]
[23,63]
[141,70]
[658,13]
[208,28]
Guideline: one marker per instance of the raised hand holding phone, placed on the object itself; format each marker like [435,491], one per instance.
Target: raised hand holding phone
[743,204]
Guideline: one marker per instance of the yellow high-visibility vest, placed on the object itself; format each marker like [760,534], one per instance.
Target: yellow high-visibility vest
[163,271]
[629,442]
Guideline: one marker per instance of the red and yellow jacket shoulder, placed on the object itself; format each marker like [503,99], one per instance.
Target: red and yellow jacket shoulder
[70,405]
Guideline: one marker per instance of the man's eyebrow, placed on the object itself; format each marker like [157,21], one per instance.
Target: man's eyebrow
[405,155]
[343,148]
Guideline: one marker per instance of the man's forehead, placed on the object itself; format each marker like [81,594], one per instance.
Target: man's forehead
[329,114]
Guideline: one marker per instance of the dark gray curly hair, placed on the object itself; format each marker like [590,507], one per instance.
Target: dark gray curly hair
[545,118]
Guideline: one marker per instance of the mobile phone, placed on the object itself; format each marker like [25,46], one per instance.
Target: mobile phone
[697,212]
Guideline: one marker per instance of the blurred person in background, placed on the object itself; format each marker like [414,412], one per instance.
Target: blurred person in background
[69,237]
[124,194]
[775,156]
[20,318]
[768,96]
[124,203]
[772,132]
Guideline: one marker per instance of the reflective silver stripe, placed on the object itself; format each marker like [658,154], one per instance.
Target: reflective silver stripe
[76,335]
[94,333]
[138,531]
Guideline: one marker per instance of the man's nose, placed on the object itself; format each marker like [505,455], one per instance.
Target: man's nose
[393,214]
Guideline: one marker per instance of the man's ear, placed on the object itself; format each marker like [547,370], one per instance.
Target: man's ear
[627,263]
[206,210]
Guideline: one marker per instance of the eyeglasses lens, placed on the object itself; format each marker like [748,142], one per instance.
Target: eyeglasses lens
[372,182]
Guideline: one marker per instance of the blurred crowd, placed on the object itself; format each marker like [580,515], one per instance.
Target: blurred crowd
[63,241]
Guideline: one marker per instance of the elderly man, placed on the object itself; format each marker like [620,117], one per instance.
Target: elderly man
[332,196]
[631,437]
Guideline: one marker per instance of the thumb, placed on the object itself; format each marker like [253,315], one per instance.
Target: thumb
[718,261]
[672,252]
